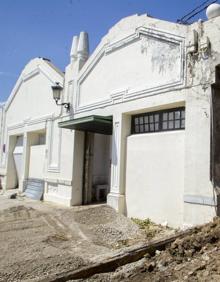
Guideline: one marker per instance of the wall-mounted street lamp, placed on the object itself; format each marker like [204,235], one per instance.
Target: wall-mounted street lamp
[57,95]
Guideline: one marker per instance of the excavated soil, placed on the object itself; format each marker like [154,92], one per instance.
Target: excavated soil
[195,257]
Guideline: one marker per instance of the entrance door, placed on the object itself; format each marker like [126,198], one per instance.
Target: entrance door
[97,167]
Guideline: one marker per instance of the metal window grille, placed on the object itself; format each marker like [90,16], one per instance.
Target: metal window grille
[166,120]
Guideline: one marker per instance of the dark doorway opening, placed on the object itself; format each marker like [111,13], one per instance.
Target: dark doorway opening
[97,167]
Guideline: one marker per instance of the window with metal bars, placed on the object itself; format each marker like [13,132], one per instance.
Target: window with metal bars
[166,120]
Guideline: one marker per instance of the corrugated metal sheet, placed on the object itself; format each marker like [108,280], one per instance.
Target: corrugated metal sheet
[34,188]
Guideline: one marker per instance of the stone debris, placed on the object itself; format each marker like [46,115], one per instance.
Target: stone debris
[195,257]
[13,196]
[39,239]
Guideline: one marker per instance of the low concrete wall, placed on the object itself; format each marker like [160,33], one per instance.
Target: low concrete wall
[155,177]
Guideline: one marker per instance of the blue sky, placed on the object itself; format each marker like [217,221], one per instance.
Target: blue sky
[44,28]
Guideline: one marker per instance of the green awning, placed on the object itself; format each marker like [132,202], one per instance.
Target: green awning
[96,124]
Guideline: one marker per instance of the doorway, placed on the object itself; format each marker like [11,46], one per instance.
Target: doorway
[97,167]
[14,161]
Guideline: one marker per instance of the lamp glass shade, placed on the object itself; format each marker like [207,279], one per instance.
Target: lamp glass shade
[56,92]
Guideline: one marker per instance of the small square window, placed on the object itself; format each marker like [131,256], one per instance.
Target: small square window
[183,123]
[141,128]
[177,124]
[136,121]
[183,114]
[156,126]
[165,125]
[151,127]
[165,116]
[177,115]
[141,120]
[137,128]
[151,118]
[146,127]
[171,116]
[170,124]
[146,119]
[156,118]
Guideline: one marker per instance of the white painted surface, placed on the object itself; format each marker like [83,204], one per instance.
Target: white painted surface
[32,112]
[101,159]
[141,65]
[18,156]
[213,11]
[149,58]
[37,162]
[58,193]
[1,134]
[155,177]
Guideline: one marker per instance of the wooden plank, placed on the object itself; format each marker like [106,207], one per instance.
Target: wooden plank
[109,265]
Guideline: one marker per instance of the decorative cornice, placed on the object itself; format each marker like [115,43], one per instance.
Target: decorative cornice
[29,122]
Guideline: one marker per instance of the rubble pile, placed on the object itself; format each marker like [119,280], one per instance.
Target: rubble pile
[195,257]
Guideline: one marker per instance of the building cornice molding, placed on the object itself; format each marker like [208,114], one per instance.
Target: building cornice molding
[29,122]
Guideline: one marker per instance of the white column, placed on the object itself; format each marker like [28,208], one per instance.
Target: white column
[121,129]
[25,163]
[78,163]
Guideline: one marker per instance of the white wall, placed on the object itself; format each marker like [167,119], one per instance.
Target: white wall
[136,65]
[30,111]
[1,131]
[37,162]
[155,177]
[101,159]
[1,119]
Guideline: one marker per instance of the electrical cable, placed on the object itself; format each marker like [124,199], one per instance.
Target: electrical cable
[194,10]
[184,19]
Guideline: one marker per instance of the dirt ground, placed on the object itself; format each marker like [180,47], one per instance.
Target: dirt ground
[38,239]
[196,257]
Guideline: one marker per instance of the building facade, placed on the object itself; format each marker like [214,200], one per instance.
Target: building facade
[142,131]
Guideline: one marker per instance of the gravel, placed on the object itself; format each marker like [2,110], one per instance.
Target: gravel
[38,239]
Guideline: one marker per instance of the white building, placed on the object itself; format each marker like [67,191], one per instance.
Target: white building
[1,129]
[1,117]
[143,125]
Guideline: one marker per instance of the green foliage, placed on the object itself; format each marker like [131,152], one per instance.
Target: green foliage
[143,223]
[150,228]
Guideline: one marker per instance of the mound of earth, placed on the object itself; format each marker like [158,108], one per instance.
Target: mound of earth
[195,257]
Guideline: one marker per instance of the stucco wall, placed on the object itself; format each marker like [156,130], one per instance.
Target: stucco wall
[136,65]
[33,100]
[37,163]
[31,110]
[1,118]
[155,177]
[1,132]
[101,159]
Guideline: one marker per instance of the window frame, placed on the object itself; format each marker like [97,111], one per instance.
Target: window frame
[160,122]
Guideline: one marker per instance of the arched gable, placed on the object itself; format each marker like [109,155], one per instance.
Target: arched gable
[136,59]
[31,96]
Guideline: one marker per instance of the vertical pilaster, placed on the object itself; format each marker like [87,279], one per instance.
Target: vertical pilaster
[25,163]
[78,166]
[121,129]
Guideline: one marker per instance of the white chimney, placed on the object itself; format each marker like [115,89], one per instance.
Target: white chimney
[83,46]
[73,52]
